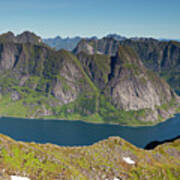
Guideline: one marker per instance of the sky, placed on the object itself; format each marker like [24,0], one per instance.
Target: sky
[131,18]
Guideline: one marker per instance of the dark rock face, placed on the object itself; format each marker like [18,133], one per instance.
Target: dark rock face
[158,56]
[97,67]
[154,144]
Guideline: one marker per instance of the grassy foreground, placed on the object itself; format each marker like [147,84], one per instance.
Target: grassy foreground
[103,160]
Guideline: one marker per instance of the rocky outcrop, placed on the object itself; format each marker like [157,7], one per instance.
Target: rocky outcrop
[132,87]
[85,47]
[107,46]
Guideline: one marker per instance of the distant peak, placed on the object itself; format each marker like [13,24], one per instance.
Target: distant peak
[116,37]
[27,33]
[57,37]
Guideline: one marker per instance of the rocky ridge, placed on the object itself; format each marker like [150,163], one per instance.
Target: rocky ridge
[25,37]
[158,56]
[109,159]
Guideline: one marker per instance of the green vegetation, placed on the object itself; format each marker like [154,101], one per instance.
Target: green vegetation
[90,107]
[34,104]
[173,78]
[41,162]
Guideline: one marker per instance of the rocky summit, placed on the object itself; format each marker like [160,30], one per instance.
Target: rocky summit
[111,159]
[101,81]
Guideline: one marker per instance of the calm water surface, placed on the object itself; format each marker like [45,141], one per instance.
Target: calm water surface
[71,133]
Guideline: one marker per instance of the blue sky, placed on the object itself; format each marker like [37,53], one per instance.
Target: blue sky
[48,18]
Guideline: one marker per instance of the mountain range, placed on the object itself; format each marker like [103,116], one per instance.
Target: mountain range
[62,43]
[160,57]
[101,80]
[69,43]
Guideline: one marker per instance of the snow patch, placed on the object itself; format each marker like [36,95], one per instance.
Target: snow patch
[19,178]
[114,178]
[128,160]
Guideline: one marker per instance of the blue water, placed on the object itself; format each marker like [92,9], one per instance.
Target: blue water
[75,133]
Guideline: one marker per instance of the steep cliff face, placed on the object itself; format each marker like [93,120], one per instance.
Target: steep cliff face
[26,60]
[42,82]
[158,56]
[97,67]
[131,87]
[113,158]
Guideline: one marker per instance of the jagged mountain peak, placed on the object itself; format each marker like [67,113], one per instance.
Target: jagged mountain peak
[87,47]
[28,37]
[25,37]
[7,37]
[116,37]
[62,43]
[9,33]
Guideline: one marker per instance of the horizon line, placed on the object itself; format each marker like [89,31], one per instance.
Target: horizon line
[88,36]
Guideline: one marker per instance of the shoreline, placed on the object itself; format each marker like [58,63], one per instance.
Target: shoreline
[93,122]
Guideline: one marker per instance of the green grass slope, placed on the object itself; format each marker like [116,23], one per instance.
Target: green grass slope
[103,160]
